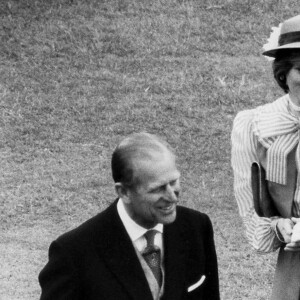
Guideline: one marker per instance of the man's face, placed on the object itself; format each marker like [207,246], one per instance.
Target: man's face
[154,198]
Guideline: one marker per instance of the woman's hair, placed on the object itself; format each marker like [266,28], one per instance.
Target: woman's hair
[283,63]
[139,146]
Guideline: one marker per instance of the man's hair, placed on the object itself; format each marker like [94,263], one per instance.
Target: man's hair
[283,63]
[138,146]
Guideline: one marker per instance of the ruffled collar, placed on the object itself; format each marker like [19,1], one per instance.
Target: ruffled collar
[293,108]
[276,126]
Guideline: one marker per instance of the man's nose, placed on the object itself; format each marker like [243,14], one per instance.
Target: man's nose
[172,193]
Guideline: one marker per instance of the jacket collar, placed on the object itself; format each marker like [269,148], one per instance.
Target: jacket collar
[120,256]
[176,246]
[116,249]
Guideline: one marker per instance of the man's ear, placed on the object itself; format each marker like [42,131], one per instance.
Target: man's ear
[122,191]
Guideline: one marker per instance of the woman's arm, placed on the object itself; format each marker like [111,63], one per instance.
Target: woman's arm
[260,232]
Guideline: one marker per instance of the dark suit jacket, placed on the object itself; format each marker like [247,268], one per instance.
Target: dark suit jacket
[97,261]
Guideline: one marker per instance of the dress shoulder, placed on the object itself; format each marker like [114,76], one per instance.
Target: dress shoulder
[281,104]
[245,118]
[242,123]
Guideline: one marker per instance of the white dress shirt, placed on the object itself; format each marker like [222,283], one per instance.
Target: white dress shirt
[136,234]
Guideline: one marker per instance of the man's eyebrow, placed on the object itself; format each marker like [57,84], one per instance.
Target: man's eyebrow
[163,183]
[157,185]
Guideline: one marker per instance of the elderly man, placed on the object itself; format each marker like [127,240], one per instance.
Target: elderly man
[143,246]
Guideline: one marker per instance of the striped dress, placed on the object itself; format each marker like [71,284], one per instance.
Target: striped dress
[275,128]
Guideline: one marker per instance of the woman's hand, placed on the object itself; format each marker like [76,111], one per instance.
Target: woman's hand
[285,229]
[294,245]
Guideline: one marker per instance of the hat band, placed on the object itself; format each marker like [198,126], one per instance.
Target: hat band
[288,38]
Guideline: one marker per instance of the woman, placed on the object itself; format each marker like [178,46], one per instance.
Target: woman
[269,135]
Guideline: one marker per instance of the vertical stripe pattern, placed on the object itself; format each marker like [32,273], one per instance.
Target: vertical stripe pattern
[283,128]
[277,130]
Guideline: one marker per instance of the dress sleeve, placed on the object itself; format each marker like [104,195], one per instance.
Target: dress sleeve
[260,231]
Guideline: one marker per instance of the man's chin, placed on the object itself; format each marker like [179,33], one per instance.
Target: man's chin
[168,218]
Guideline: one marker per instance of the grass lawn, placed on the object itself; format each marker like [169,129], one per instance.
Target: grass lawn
[77,76]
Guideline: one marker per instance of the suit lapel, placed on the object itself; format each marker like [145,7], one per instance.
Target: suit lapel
[121,258]
[176,246]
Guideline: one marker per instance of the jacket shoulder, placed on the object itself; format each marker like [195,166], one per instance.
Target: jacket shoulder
[82,236]
[192,217]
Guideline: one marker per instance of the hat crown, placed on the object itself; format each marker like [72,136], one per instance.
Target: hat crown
[291,25]
[287,38]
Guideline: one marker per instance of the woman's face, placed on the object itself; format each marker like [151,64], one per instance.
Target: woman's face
[293,82]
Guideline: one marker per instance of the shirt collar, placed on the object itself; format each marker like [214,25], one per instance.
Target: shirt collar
[134,230]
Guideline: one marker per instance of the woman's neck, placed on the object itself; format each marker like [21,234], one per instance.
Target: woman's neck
[295,99]
[295,107]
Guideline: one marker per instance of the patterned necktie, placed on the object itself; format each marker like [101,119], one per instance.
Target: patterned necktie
[152,256]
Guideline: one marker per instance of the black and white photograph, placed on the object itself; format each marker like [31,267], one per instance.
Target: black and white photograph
[149,150]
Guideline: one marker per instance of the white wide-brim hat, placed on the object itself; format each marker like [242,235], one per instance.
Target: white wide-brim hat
[289,37]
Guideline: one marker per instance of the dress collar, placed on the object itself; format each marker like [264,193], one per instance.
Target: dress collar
[293,108]
[276,126]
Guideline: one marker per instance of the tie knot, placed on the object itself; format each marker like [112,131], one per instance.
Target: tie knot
[149,236]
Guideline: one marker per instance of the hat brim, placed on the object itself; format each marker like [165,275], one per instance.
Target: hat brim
[273,52]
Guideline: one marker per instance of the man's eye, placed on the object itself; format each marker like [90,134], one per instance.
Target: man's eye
[173,182]
[157,190]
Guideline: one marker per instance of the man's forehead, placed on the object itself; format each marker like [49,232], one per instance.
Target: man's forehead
[158,178]
[158,168]
[162,178]
[151,157]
